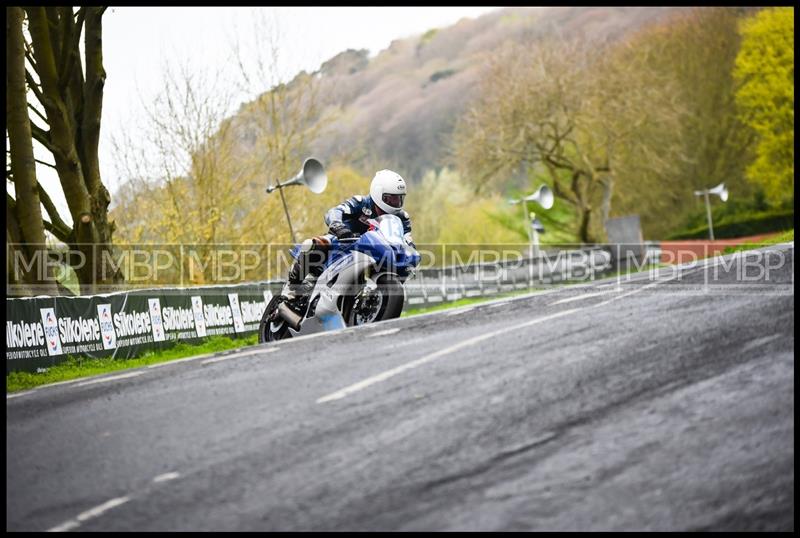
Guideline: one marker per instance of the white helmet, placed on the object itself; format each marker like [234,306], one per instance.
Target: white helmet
[388,191]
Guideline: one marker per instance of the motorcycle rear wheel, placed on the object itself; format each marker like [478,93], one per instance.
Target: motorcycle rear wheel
[272,331]
[386,303]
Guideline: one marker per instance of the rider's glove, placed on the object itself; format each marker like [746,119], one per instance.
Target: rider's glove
[341,231]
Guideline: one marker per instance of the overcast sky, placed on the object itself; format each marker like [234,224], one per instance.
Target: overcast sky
[137,39]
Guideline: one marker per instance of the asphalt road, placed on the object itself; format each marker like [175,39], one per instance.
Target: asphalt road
[661,404]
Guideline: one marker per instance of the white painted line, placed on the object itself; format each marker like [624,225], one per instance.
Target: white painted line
[637,290]
[579,297]
[66,526]
[18,394]
[758,342]
[176,361]
[239,355]
[57,383]
[432,356]
[606,285]
[112,378]
[656,283]
[384,332]
[326,333]
[166,477]
[458,311]
[89,514]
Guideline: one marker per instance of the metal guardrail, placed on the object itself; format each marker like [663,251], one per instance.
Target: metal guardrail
[436,286]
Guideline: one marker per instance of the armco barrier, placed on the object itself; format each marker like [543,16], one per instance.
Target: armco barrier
[44,331]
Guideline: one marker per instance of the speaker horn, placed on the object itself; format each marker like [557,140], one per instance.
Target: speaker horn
[543,196]
[720,191]
[312,175]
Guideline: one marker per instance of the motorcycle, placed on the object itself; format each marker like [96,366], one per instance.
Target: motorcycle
[362,283]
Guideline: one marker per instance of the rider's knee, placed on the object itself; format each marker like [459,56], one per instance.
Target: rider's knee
[307,245]
[317,243]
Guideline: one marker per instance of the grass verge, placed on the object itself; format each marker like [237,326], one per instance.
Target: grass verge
[784,237]
[77,367]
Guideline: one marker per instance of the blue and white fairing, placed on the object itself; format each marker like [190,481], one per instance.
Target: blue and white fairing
[385,243]
[383,249]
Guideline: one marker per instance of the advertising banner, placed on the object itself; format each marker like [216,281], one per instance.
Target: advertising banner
[44,331]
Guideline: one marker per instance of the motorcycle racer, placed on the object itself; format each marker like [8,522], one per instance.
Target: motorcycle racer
[345,221]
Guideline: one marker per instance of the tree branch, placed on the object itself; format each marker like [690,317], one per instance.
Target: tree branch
[54,31]
[35,160]
[59,233]
[556,163]
[72,49]
[36,110]
[46,164]
[29,55]
[43,137]
[34,87]
[65,27]
[92,100]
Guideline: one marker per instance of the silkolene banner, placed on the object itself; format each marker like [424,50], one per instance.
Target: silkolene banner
[43,331]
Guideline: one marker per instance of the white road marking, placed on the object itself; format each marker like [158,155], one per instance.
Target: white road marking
[166,477]
[458,311]
[112,378]
[238,355]
[66,526]
[384,332]
[176,361]
[24,393]
[323,333]
[675,275]
[758,342]
[432,356]
[606,285]
[89,514]
[57,383]
[579,297]
[18,394]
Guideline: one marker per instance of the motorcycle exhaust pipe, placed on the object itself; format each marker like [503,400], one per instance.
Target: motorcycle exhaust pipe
[289,316]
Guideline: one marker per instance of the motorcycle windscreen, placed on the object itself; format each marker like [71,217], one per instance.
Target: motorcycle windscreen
[392,228]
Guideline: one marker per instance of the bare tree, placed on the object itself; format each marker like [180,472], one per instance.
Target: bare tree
[185,184]
[196,173]
[64,109]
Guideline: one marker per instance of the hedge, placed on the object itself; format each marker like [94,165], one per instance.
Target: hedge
[757,223]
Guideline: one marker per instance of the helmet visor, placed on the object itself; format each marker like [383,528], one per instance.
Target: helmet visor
[394,200]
